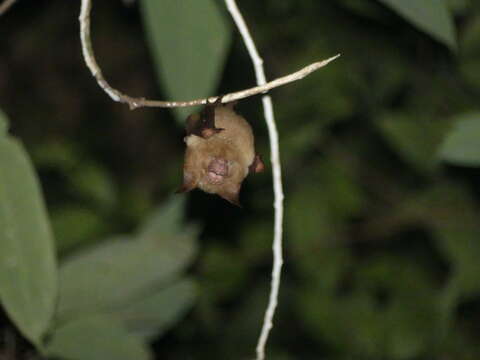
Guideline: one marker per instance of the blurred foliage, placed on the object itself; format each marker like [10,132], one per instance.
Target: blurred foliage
[137,289]
[27,260]
[380,155]
[461,146]
[432,16]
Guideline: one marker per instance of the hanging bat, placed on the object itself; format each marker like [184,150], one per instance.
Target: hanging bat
[220,152]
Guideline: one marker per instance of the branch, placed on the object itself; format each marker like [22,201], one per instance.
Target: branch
[5,6]
[276,174]
[134,102]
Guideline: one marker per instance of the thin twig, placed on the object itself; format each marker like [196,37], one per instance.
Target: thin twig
[276,174]
[6,5]
[134,103]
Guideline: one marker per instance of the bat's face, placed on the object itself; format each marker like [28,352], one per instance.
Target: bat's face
[218,170]
[213,167]
[218,159]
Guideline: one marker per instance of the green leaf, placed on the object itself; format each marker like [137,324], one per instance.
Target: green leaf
[96,338]
[156,313]
[28,285]
[431,16]
[75,225]
[166,221]
[58,155]
[462,145]
[189,40]
[94,183]
[116,271]
[416,140]
[459,7]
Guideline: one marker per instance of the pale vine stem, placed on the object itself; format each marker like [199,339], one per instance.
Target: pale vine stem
[134,102]
[6,5]
[276,175]
[262,88]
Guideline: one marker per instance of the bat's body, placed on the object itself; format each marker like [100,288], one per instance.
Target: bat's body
[220,152]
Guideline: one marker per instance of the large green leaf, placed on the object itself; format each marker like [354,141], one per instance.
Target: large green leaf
[59,155]
[96,338]
[430,16]
[115,272]
[153,314]
[94,183]
[166,221]
[462,145]
[28,285]
[189,40]
[415,140]
[75,225]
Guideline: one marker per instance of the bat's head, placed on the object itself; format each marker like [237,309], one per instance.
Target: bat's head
[213,167]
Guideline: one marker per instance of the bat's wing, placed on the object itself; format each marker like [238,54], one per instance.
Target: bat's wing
[189,183]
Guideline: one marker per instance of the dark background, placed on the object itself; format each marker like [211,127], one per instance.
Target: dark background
[381,235]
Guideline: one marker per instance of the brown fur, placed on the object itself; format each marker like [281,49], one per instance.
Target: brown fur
[218,163]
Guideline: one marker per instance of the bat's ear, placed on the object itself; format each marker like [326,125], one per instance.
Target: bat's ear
[192,124]
[257,165]
[231,194]
[189,183]
[203,124]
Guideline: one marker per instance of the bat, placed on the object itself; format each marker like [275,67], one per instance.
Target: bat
[220,152]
